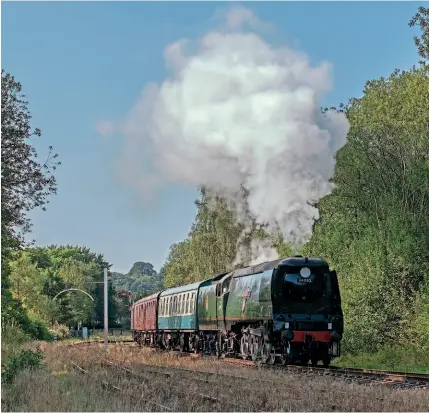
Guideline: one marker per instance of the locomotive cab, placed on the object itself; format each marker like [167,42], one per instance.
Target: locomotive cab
[307,314]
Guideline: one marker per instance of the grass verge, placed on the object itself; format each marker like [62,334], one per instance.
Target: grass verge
[188,386]
[395,358]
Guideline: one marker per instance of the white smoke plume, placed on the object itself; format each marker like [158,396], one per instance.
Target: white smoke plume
[238,110]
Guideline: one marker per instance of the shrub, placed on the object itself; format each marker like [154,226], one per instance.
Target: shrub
[22,360]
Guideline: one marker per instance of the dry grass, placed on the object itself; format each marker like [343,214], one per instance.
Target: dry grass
[231,388]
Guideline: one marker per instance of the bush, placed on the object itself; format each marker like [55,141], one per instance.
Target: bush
[22,360]
[38,330]
[60,330]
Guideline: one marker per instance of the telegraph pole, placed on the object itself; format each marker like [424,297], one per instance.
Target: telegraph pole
[106,309]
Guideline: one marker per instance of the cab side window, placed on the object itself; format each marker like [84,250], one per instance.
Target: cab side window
[225,285]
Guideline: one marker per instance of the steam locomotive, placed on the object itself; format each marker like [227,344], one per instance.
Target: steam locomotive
[284,311]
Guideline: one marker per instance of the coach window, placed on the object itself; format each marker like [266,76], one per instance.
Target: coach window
[187,304]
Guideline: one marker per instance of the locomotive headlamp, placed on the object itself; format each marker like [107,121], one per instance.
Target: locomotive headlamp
[336,336]
[287,325]
[288,335]
[329,326]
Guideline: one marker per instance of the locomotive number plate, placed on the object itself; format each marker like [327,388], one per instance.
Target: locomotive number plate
[304,280]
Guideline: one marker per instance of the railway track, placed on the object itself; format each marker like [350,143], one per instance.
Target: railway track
[146,377]
[395,379]
[361,376]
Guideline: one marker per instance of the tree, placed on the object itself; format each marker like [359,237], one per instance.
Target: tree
[39,274]
[26,184]
[141,268]
[421,19]
[141,280]
[374,226]
[219,241]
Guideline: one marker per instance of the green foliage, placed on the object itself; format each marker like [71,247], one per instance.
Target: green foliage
[142,269]
[374,226]
[39,274]
[20,361]
[142,279]
[211,246]
[26,184]
[388,357]
[13,336]
[422,19]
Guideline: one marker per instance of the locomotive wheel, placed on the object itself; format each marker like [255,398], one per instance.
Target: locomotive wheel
[284,359]
[303,360]
[267,353]
[314,361]
[219,347]
[326,361]
[254,347]
[272,357]
[244,347]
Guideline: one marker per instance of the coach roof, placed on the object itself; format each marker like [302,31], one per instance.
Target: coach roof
[148,298]
[181,289]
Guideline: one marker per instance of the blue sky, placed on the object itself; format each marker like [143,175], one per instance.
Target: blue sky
[80,63]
